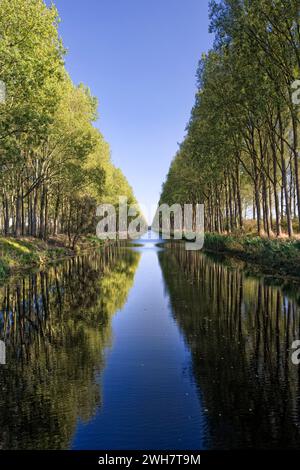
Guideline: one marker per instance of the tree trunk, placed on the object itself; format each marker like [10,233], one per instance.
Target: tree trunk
[284,183]
[42,214]
[18,221]
[276,198]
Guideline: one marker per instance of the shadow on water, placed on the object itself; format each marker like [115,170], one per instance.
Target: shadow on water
[240,330]
[56,326]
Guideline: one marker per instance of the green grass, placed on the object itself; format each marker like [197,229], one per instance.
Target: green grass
[280,255]
[55,253]
[17,254]
[93,240]
[4,269]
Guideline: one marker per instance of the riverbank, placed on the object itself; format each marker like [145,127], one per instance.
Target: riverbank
[277,256]
[20,254]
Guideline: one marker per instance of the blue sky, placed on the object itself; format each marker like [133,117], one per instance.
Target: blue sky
[139,57]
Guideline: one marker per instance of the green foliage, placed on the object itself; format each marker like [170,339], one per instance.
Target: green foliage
[241,146]
[51,154]
[283,255]
[16,254]
[4,270]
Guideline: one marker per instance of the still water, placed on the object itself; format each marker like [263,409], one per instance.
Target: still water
[148,348]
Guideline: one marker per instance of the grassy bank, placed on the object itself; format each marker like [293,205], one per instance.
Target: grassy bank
[280,256]
[20,254]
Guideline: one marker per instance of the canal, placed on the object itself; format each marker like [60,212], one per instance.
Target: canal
[149,347]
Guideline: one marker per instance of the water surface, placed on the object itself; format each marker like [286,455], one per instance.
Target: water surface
[148,348]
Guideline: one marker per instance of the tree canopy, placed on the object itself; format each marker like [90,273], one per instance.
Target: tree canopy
[240,153]
[55,164]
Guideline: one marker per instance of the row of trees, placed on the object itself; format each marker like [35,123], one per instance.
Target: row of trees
[55,165]
[240,154]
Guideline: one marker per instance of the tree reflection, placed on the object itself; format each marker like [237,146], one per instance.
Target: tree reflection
[240,330]
[56,325]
